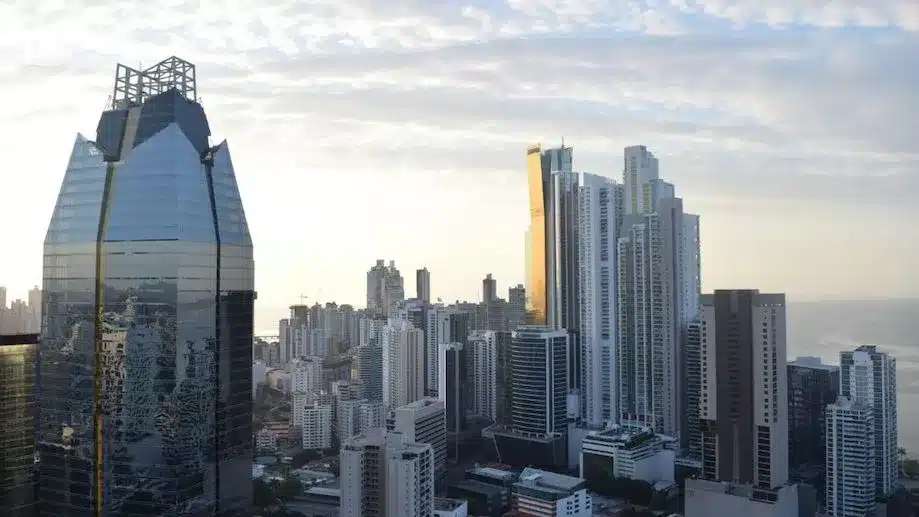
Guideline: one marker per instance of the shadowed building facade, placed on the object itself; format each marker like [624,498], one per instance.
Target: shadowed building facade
[148,287]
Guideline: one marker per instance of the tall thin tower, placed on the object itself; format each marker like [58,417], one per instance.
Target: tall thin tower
[146,379]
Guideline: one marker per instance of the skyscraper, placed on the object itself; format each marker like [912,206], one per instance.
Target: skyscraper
[812,386]
[403,363]
[869,377]
[850,459]
[658,284]
[489,289]
[516,306]
[601,205]
[18,358]
[423,285]
[744,407]
[540,166]
[484,348]
[146,379]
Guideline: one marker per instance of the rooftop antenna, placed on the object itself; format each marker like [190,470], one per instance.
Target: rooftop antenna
[563,142]
[302,299]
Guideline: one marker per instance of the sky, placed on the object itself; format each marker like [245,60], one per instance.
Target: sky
[397,130]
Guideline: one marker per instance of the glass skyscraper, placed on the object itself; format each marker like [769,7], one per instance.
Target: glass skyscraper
[17,424]
[145,360]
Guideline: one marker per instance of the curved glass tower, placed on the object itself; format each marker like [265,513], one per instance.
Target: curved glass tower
[145,359]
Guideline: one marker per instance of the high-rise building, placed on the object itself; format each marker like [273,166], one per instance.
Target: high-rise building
[563,247]
[370,371]
[812,386]
[385,288]
[503,378]
[453,379]
[516,307]
[691,434]
[539,362]
[423,421]
[601,205]
[540,165]
[744,407]
[18,359]
[423,285]
[316,426]
[148,293]
[403,363]
[850,459]
[869,377]
[383,474]
[484,378]
[489,289]
[658,284]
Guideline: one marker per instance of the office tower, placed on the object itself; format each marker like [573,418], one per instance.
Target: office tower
[18,358]
[516,307]
[444,325]
[370,371]
[540,166]
[383,474]
[812,386]
[539,377]
[744,407]
[601,205]
[691,435]
[146,378]
[869,377]
[851,464]
[403,363]
[423,421]
[489,289]
[483,345]
[454,382]
[658,283]
[316,426]
[423,285]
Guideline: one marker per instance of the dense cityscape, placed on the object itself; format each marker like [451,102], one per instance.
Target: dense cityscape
[608,384]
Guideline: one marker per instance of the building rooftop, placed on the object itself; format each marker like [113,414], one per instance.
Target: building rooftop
[491,472]
[541,479]
[445,504]
[813,362]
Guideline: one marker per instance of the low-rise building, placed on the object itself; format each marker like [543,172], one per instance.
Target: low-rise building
[708,498]
[444,507]
[633,453]
[539,493]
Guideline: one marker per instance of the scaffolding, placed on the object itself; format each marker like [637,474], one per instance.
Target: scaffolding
[133,86]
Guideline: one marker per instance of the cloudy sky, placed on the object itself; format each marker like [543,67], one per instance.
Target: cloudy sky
[364,129]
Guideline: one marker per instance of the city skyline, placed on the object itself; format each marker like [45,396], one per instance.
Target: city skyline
[761,142]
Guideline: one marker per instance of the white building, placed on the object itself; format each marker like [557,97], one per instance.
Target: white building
[485,373]
[383,474]
[710,498]
[869,377]
[444,507]
[317,426]
[286,341]
[850,459]
[403,363]
[600,217]
[306,375]
[744,388]
[658,282]
[631,453]
[369,331]
[539,493]
[349,419]
[423,421]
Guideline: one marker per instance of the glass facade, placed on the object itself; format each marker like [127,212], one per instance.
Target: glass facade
[18,354]
[147,326]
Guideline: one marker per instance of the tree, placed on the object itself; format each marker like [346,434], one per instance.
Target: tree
[263,495]
[290,488]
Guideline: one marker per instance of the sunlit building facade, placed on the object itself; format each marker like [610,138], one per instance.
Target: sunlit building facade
[146,378]
[18,356]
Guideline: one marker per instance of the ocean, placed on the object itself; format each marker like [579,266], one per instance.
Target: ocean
[823,329]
